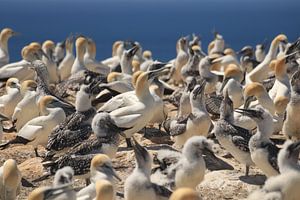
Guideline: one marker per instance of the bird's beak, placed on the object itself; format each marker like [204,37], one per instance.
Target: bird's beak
[53,192]
[247,101]
[199,89]
[41,52]
[155,73]
[140,152]
[111,171]
[225,81]
[132,51]
[63,105]
[250,113]
[3,117]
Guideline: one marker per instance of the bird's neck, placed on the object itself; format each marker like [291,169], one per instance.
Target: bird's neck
[80,54]
[4,43]
[272,51]
[142,90]
[126,66]
[265,100]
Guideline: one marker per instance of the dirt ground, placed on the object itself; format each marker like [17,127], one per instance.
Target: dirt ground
[218,184]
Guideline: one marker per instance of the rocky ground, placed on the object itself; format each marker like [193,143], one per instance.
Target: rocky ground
[229,183]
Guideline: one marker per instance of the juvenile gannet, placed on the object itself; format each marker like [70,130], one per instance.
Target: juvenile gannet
[77,126]
[5,35]
[184,101]
[78,64]
[291,126]
[27,108]
[138,184]
[210,77]
[10,180]
[12,97]
[117,52]
[185,194]
[20,69]
[36,131]
[65,66]
[100,169]
[59,52]
[232,84]
[90,59]
[181,59]
[48,48]
[135,116]
[261,72]
[191,67]
[233,138]
[260,52]
[2,118]
[197,122]
[263,151]
[64,176]
[285,185]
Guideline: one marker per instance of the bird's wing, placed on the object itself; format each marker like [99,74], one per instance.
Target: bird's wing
[30,131]
[124,99]
[273,151]
[127,121]
[161,190]
[241,143]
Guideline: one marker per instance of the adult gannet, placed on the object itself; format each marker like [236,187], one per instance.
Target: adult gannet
[117,52]
[291,126]
[138,184]
[100,169]
[5,35]
[262,70]
[223,61]
[232,84]
[36,131]
[147,55]
[185,194]
[134,116]
[20,69]
[181,59]
[90,61]
[49,192]
[218,45]
[263,151]
[233,138]
[27,108]
[48,47]
[190,167]
[184,101]
[210,77]
[66,64]
[285,185]
[10,180]
[126,60]
[197,122]
[12,97]
[104,190]
[78,64]
[260,51]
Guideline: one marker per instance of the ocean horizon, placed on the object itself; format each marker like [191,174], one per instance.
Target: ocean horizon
[155,24]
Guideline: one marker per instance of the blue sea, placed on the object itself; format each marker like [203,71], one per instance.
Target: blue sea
[156,24]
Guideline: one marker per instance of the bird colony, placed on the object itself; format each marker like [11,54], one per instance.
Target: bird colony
[211,123]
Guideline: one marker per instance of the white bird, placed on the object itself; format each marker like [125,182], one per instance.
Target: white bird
[147,55]
[65,66]
[59,52]
[197,122]
[27,108]
[90,59]
[12,97]
[126,60]
[5,35]
[263,151]
[285,185]
[2,118]
[117,52]
[261,72]
[260,52]
[10,180]
[36,131]
[78,64]
[138,184]
[104,190]
[64,176]
[210,77]
[48,48]
[218,44]
[222,62]
[185,194]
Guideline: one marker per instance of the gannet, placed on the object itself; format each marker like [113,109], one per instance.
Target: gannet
[260,52]
[191,67]
[76,127]
[185,194]
[90,61]
[291,126]
[48,48]
[5,35]
[12,97]
[101,169]
[232,84]
[104,190]
[59,52]
[285,185]
[49,192]
[117,51]
[147,55]
[65,65]
[263,151]
[133,116]
[36,131]
[2,118]
[218,45]
[27,108]
[233,138]
[210,77]
[223,61]
[78,64]
[10,180]
[197,122]
[190,167]
[64,176]
[262,70]
[181,59]
[20,69]
[138,184]
[184,101]
[126,60]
